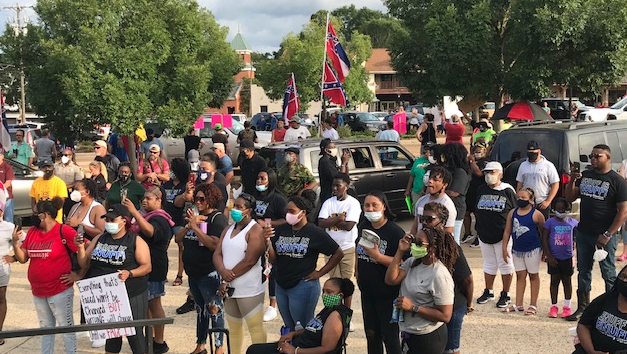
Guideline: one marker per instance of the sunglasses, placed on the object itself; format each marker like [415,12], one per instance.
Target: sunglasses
[427,219]
[595,156]
[199,199]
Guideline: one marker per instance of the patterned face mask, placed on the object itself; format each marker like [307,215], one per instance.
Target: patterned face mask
[331,300]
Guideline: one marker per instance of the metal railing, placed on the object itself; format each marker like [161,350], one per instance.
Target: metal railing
[149,323]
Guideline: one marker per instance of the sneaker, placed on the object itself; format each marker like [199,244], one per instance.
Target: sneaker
[98,343]
[504,300]
[351,328]
[487,295]
[188,306]
[467,238]
[475,243]
[553,311]
[160,348]
[566,311]
[269,314]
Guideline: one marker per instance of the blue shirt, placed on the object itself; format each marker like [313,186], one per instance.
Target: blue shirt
[525,233]
[226,165]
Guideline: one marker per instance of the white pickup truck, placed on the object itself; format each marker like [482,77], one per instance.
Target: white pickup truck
[617,111]
[175,147]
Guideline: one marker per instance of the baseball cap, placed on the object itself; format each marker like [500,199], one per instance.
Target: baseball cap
[193,156]
[100,143]
[44,162]
[294,119]
[218,146]
[246,144]
[533,145]
[115,211]
[155,148]
[218,126]
[493,166]
[294,150]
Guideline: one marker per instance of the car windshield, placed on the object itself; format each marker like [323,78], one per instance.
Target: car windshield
[490,105]
[620,104]
[208,131]
[367,117]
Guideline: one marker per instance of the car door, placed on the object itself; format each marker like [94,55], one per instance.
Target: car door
[395,165]
[363,172]
[24,178]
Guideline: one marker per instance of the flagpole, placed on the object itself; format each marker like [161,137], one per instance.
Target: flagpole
[323,114]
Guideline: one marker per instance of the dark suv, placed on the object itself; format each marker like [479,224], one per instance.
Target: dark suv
[374,165]
[559,107]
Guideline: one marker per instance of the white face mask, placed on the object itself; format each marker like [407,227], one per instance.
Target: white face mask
[425,178]
[373,216]
[599,255]
[491,179]
[75,196]
[332,152]
[431,160]
[65,159]
[193,166]
[561,215]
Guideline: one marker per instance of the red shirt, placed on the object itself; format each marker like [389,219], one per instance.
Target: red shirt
[49,259]
[455,133]
[6,174]
[147,166]
[279,135]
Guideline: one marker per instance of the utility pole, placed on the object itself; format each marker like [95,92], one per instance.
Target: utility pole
[18,9]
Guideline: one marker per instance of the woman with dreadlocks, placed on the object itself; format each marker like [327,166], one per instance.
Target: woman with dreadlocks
[427,290]
[454,158]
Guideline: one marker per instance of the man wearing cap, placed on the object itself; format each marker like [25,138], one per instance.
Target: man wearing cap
[226,165]
[47,187]
[539,174]
[495,199]
[111,162]
[251,165]
[193,157]
[144,148]
[193,141]
[293,176]
[483,134]
[296,131]
[45,147]
[153,170]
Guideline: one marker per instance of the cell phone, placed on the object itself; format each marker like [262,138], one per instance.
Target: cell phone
[80,232]
[15,152]
[123,194]
[576,167]
[18,223]
[192,178]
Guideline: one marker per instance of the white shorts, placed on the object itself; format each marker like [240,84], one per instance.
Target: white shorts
[493,258]
[529,261]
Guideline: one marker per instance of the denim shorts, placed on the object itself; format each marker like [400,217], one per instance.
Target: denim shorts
[156,289]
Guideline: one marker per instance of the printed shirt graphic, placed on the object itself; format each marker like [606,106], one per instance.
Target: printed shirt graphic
[600,193]
[114,255]
[43,189]
[608,325]
[518,229]
[561,237]
[492,202]
[351,209]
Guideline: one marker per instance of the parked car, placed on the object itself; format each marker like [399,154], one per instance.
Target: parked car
[254,121]
[362,121]
[617,111]
[239,117]
[374,165]
[560,107]
[175,146]
[24,178]
[380,115]
[563,143]
[487,108]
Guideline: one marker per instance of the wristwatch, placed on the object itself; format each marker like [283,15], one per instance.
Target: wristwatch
[415,309]
[607,234]
[130,274]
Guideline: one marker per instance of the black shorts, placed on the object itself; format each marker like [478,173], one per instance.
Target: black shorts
[564,267]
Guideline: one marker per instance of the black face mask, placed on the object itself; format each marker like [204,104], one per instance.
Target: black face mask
[436,193]
[48,174]
[621,286]
[124,178]
[522,203]
[149,138]
[532,156]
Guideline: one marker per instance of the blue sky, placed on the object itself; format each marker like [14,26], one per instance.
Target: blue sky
[263,23]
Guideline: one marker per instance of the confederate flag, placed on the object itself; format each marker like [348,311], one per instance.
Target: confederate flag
[336,54]
[291,101]
[332,88]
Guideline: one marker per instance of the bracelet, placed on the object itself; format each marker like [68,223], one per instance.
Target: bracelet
[296,350]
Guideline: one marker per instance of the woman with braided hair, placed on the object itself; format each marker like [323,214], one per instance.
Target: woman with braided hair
[427,289]
[434,215]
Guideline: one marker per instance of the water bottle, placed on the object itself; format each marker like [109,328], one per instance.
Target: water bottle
[398,315]
[298,326]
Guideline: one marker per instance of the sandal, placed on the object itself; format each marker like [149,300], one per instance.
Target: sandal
[513,308]
[178,281]
[531,311]
[622,258]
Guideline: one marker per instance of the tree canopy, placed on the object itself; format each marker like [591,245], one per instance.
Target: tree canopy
[486,49]
[122,62]
[381,27]
[302,54]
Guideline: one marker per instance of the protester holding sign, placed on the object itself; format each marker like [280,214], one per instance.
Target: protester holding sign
[120,251]
[48,245]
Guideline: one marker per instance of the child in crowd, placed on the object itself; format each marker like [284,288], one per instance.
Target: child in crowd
[557,241]
[523,225]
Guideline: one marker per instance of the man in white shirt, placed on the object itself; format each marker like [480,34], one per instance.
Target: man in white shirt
[539,174]
[330,132]
[389,134]
[296,131]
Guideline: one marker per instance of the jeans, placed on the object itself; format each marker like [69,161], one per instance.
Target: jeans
[57,309]
[454,328]
[585,250]
[209,306]
[377,312]
[298,304]
[9,211]
[139,309]
[457,230]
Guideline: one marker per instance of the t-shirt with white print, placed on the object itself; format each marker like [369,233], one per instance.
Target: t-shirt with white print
[351,209]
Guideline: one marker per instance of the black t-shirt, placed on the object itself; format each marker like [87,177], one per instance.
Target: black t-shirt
[461,271]
[110,255]
[475,182]
[158,245]
[460,184]
[220,138]
[297,252]
[491,213]
[171,192]
[599,195]
[192,142]
[608,326]
[370,274]
[101,188]
[313,331]
[220,181]
[273,206]
[250,169]
[247,134]
[327,170]
[197,259]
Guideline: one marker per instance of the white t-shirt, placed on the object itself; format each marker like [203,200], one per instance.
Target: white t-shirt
[293,134]
[538,176]
[389,135]
[444,200]
[351,209]
[6,245]
[330,134]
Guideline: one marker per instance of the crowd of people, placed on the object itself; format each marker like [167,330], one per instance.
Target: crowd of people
[267,229]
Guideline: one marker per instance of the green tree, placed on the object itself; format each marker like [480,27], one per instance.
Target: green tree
[302,54]
[123,61]
[486,49]
[381,27]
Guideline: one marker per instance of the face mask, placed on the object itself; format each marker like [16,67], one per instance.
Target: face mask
[172,176]
[124,178]
[193,166]
[373,216]
[522,203]
[431,159]
[436,193]
[112,228]
[261,188]
[621,286]
[289,158]
[237,215]
[203,175]
[332,152]
[48,174]
[292,219]
[532,156]
[75,196]
[599,255]
[149,138]
[331,300]
[65,160]
[491,179]
[418,252]
[561,215]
